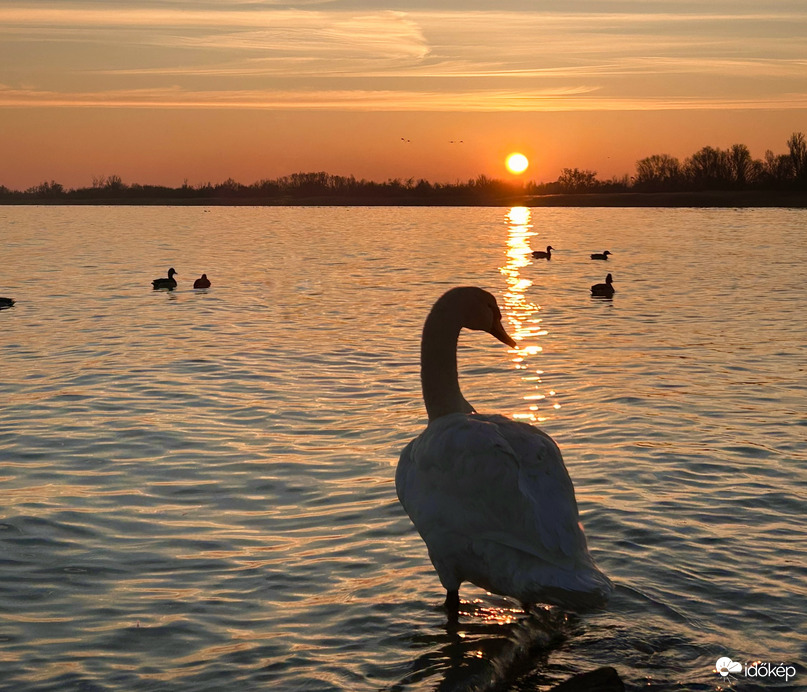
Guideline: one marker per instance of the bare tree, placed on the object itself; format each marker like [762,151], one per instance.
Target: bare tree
[660,171]
[798,156]
[575,180]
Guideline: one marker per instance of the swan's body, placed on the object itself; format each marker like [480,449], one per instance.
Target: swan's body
[490,496]
[601,255]
[6,303]
[202,282]
[169,283]
[540,254]
[607,289]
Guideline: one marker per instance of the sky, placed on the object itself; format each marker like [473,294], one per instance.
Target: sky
[173,91]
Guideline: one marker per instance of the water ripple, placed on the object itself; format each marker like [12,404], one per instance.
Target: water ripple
[199,486]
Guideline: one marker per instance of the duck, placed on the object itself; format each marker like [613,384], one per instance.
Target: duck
[601,255]
[170,283]
[202,282]
[490,496]
[6,303]
[605,290]
[540,254]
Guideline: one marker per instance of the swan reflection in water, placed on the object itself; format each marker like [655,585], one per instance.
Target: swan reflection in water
[499,647]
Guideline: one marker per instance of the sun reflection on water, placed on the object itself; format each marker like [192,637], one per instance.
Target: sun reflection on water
[522,314]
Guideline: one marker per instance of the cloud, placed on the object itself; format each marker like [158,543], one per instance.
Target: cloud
[379,68]
[295,37]
[290,100]
[307,35]
[256,55]
[562,99]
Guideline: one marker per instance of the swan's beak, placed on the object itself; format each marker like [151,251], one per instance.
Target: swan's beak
[498,331]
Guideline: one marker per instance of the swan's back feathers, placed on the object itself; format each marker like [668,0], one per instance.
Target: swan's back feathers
[494,503]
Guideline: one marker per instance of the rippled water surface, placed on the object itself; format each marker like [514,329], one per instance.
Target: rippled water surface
[197,486]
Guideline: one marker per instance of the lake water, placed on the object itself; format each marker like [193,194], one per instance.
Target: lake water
[198,487]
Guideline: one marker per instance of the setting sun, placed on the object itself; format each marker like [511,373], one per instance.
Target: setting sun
[517,163]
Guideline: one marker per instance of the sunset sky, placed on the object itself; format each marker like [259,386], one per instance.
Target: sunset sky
[166,91]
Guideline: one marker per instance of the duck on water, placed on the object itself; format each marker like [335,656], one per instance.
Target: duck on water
[540,254]
[6,303]
[605,290]
[170,283]
[601,255]
[490,496]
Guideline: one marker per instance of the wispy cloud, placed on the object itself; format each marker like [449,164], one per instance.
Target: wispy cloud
[244,54]
[292,100]
[311,66]
[562,99]
[312,35]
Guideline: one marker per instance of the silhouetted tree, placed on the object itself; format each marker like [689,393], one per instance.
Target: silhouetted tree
[741,167]
[114,183]
[46,190]
[574,180]
[659,172]
[776,168]
[708,168]
[798,157]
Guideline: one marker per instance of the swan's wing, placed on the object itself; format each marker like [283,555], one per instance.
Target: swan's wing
[487,478]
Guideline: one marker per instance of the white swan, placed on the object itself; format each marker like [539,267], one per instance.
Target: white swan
[490,496]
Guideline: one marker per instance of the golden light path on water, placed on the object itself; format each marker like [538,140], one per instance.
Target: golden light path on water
[522,314]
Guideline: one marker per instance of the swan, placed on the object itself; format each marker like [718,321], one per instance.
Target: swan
[601,255]
[6,303]
[540,254]
[202,282]
[607,289]
[490,496]
[169,283]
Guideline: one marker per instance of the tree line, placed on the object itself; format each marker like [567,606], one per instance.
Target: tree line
[709,169]
[726,169]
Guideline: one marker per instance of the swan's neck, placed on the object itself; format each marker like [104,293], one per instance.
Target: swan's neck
[438,367]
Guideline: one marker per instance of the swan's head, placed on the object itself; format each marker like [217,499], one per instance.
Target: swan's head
[476,309]
[549,247]
[171,272]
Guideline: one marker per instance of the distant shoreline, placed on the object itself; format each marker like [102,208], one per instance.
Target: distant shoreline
[720,199]
[717,199]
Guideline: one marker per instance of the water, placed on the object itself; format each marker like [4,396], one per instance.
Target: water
[198,486]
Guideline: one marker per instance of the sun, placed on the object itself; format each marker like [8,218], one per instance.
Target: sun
[517,163]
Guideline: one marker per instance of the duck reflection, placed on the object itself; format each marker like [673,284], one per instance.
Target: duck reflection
[522,314]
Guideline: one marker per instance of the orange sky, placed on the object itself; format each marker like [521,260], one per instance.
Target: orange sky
[166,91]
